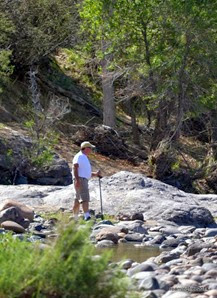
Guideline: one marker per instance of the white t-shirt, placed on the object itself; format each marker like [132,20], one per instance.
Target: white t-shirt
[84,169]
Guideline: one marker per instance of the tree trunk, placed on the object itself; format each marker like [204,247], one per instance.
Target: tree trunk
[135,129]
[160,130]
[108,91]
[213,134]
[182,86]
[161,114]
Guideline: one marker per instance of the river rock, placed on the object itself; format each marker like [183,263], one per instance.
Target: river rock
[210,233]
[137,227]
[12,214]
[182,214]
[106,234]
[170,243]
[176,294]
[12,226]
[140,268]
[127,264]
[212,293]
[138,216]
[25,211]
[195,248]
[166,257]
[105,243]
[134,237]
[149,283]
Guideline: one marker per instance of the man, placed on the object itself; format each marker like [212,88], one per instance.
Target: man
[82,172]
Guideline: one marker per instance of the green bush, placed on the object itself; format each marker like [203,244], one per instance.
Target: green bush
[39,27]
[67,268]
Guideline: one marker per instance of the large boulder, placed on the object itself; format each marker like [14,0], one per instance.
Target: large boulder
[17,168]
[56,173]
[126,193]
[188,215]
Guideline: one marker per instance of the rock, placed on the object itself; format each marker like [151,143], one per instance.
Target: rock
[186,229]
[105,243]
[209,266]
[142,275]
[34,238]
[168,230]
[138,216]
[212,286]
[126,264]
[106,234]
[149,294]
[12,226]
[123,192]
[169,243]
[135,237]
[12,214]
[210,233]
[212,293]
[140,268]
[56,173]
[176,294]
[182,214]
[25,211]
[157,240]
[166,257]
[104,222]
[137,227]
[149,283]
[195,248]
[211,274]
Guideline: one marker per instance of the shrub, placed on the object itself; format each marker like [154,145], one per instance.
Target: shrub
[39,27]
[67,268]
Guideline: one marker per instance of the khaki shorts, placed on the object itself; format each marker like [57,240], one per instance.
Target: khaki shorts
[82,194]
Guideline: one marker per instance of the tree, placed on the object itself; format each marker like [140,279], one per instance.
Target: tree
[97,33]
[6,29]
[172,47]
[40,27]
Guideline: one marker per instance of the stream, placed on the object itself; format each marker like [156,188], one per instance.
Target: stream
[124,251]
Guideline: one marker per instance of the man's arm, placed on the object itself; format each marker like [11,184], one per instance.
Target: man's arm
[76,177]
[96,174]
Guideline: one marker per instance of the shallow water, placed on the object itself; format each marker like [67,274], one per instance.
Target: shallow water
[124,251]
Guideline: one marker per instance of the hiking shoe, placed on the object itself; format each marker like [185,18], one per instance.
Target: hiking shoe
[87,218]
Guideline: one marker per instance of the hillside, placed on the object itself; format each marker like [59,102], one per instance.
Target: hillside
[181,165]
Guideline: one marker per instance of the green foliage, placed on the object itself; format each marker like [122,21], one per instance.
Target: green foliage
[175,166]
[40,27]
[41,151]
[6,29]
[66,269]
[167,47]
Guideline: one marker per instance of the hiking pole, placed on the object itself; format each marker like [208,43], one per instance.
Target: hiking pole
[100,193]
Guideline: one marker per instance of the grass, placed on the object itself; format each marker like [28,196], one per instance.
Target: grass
[67,268]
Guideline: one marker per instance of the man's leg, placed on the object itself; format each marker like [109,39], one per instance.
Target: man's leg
[76,208]
[85,197]
[85,206]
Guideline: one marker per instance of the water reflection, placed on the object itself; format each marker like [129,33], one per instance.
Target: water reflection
[129,251]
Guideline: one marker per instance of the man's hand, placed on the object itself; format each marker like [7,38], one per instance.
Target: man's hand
[99,174]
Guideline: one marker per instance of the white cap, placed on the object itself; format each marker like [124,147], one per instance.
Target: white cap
[87,145]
